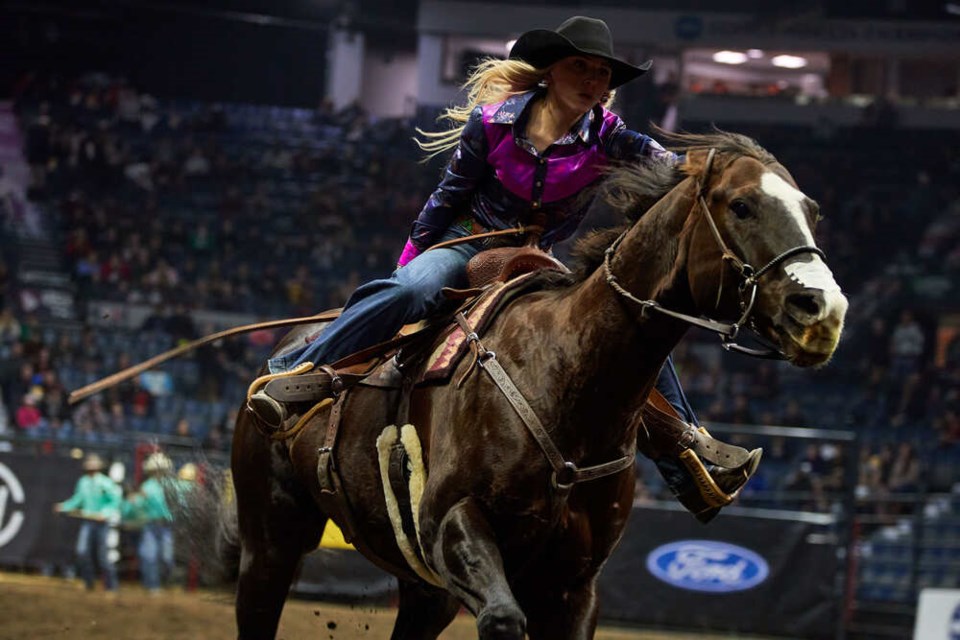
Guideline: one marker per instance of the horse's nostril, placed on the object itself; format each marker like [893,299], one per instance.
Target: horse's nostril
[807,303]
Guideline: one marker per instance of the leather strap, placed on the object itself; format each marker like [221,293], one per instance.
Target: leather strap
[565,472]
[311,386]
[519,231]
[677,436]
[325,466]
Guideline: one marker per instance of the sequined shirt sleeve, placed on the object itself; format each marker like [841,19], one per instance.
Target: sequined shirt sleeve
[452,196]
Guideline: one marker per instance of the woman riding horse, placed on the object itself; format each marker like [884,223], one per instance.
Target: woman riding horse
[507,492]
[534,136]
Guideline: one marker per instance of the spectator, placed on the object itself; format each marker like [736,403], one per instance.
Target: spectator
[905,470]
[740,412]
[96,500]
[90,419]
[808,478]
[876,352]
[29,419]
[793,415]
[9,329]
[149,504]
[906,348]
[182,429]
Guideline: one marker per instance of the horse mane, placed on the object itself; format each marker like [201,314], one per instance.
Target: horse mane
[631,189]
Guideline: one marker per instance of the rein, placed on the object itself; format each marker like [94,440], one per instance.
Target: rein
[728,331]
[520,230]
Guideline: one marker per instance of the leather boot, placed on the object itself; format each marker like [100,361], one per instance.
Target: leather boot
[663,434]
[273,414]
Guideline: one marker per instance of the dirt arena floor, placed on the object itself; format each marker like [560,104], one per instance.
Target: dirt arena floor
[33,607]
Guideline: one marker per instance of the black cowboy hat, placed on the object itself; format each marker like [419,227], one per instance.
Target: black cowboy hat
[578,35]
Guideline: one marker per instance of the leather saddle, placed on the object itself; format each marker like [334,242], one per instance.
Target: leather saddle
[505,263]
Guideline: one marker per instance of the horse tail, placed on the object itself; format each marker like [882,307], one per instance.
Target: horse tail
[205,520]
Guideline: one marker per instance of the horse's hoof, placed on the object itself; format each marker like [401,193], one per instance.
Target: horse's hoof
[270,412]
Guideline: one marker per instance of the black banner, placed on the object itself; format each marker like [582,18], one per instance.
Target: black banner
[739,573]
[30,533]
[344,574]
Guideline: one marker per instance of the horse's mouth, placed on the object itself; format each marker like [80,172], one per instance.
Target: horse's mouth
[807,345]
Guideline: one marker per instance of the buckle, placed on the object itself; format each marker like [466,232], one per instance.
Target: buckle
[565,477]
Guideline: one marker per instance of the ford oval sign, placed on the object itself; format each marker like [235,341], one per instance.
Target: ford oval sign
[706,565]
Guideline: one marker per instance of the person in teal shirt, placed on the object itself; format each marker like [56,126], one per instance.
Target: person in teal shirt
[96,500]
[149,506]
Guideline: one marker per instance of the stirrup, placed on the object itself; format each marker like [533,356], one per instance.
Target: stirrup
[270,412]
[713,491]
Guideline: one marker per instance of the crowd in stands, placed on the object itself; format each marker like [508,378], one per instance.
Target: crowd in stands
[180,207]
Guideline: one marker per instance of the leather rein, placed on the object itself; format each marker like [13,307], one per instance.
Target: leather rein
[750,281]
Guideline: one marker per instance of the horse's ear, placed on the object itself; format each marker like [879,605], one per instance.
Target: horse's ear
[693,161]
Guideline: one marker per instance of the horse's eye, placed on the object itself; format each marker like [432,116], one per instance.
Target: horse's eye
[740,209]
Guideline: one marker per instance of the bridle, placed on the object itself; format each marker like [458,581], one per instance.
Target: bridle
[750,281]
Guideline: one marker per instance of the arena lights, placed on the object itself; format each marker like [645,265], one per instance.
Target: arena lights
[789,62]
[754,54]
[730,57]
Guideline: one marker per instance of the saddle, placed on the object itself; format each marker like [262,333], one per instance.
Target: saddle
[505,263]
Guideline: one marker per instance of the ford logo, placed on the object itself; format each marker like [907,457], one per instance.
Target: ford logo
[705,565]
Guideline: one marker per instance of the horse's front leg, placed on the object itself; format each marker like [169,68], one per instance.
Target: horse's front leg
[570,614]
[466,556]
[425,611]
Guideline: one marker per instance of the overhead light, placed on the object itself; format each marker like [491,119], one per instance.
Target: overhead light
[789,62]
[730,57]
[753,54]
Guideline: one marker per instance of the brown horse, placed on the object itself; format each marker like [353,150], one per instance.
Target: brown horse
[497,532]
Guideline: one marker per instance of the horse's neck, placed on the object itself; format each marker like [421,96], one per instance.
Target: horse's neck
[626,351]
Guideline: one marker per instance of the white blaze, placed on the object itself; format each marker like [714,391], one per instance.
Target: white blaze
[813,274]
[791,197]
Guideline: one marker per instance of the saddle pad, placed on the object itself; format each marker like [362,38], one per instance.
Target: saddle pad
[453,345]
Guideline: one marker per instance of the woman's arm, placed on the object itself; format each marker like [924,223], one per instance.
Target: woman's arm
[626,145]
[452,196]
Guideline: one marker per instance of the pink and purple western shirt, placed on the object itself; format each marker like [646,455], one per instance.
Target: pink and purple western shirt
[496,179]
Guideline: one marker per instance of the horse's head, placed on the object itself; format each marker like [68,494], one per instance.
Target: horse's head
[773,277]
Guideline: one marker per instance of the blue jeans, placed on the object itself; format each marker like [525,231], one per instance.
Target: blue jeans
[677,476]
[156,554]
[92,550]
[378,309]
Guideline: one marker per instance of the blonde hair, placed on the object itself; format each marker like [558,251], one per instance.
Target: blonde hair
[493,80]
